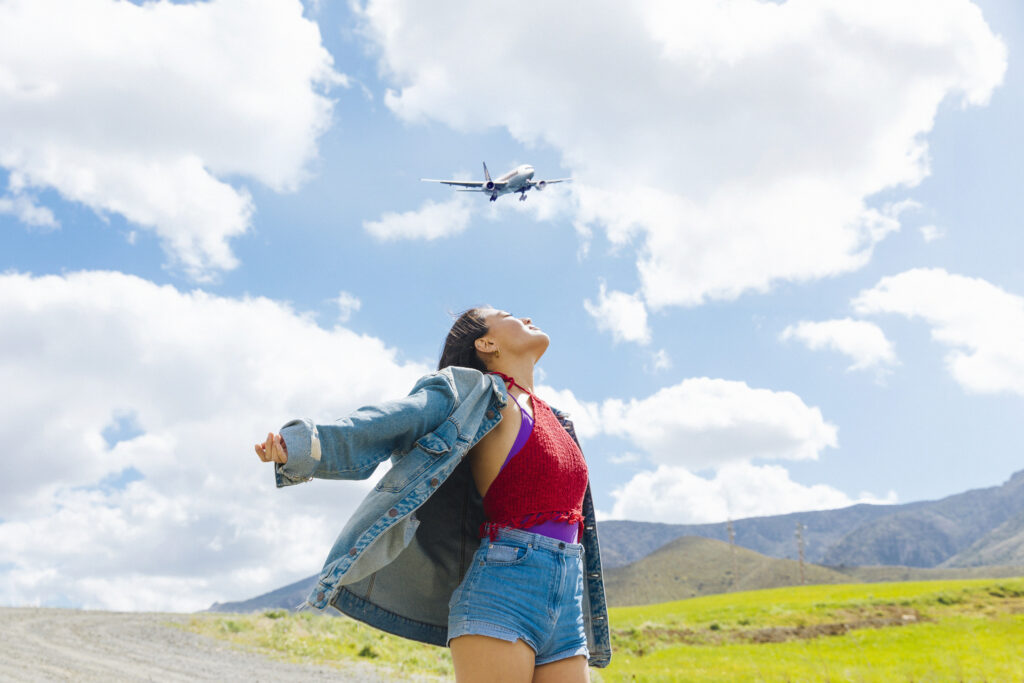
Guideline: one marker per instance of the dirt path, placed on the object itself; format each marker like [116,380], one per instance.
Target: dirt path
[57,645]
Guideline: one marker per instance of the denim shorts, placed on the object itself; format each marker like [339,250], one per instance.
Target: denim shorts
[524,585]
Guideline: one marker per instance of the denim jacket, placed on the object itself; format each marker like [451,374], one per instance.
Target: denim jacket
[409,543]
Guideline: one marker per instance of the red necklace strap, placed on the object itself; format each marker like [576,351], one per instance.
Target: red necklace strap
[509,382]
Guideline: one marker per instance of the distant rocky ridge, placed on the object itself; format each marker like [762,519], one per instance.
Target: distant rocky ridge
[692,566]
[978,528]
[982,526]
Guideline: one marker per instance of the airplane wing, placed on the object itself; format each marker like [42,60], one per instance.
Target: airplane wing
[550,182]
[460,183]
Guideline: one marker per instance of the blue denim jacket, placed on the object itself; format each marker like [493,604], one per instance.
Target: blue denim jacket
[406,548]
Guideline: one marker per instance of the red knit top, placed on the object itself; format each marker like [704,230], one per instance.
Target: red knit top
[545,480]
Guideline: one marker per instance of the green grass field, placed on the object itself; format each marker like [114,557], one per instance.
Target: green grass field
[923,631]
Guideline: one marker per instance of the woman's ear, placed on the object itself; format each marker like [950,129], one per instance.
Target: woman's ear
[484,345]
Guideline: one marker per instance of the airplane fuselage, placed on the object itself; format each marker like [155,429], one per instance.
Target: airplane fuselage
[516,180]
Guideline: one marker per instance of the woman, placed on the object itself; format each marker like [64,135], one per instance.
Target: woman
[494,554]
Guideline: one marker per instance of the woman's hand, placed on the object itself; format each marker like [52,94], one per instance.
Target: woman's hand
[273,449]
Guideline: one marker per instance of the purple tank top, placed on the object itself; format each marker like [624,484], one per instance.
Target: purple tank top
[563,531]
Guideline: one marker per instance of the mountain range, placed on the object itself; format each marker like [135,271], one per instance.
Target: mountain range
[980,528]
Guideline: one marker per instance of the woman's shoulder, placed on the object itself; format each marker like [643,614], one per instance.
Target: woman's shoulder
[466,382]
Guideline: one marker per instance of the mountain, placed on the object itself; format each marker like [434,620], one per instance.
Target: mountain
[929,534]
[977,528]
[624,541]
[1002,545]
[287,597]
[691,566]
[920,534]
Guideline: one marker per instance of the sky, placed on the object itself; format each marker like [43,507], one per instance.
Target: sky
[786,275]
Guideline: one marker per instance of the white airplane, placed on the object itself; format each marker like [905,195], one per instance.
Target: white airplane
[519,179]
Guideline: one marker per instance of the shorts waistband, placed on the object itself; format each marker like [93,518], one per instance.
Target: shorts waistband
[537,540]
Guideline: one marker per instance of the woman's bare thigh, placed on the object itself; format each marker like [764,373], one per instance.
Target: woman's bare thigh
[569,670]
[483,658]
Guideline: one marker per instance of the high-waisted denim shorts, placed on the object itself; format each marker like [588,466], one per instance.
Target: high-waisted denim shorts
[524,585]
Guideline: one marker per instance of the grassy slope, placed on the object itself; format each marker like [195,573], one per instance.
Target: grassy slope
[923,631]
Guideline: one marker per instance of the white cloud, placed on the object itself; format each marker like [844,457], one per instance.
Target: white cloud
[703,422]
[930,233]
[347,305]
[660,360]
[862,341]
[674,494]
[624,315]
[177,511]
[716,425]
[982,323]
[27,211]
[146,110]
[733,145]
[430,222]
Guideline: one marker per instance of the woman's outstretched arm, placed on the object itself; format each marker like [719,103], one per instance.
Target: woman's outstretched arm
[354,446]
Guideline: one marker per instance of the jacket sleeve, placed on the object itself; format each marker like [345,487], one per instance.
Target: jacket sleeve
[352,447]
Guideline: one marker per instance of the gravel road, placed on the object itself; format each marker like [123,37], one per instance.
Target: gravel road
[60,645]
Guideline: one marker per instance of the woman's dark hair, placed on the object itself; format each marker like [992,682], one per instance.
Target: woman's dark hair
[459,348]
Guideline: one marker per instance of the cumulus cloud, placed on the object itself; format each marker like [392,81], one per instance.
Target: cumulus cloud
[732,145]
[431,221]
[863,341]
[716,426]
[660,360]
[675,494]
[147,110]
[982,324]
[347,305]
[930,233]
[624,315]
[131,440]
[703,422]
[28,211]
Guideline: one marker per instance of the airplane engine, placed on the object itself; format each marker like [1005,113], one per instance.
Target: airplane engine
[489,185]
[541,184]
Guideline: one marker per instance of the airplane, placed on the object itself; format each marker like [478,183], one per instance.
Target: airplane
[519,179]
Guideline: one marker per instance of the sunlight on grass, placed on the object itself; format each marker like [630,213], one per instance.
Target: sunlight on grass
[317,639]
[922,631]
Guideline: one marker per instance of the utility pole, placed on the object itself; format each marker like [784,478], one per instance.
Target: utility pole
[732,548]
[800,549]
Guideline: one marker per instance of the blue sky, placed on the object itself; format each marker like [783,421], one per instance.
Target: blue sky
[179,217]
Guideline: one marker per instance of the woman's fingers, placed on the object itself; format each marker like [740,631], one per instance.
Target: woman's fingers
[273,449]
[280,455]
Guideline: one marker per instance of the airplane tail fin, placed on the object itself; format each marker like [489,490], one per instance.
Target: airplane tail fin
[487,176]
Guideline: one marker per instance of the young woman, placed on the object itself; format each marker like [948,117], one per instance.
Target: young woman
[482,534]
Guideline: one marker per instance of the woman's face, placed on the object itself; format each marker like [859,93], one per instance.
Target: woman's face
[512,335]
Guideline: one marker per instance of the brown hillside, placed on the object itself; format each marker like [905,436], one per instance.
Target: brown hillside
[692,566]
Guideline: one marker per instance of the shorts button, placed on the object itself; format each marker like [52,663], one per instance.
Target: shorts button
[352,552]
[320,596]
[433,481]
[490,414]
[561,545]
[392,512]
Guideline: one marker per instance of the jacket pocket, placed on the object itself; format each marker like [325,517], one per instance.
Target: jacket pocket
[433,444]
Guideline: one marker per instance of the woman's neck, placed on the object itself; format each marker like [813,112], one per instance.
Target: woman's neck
[521,372]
